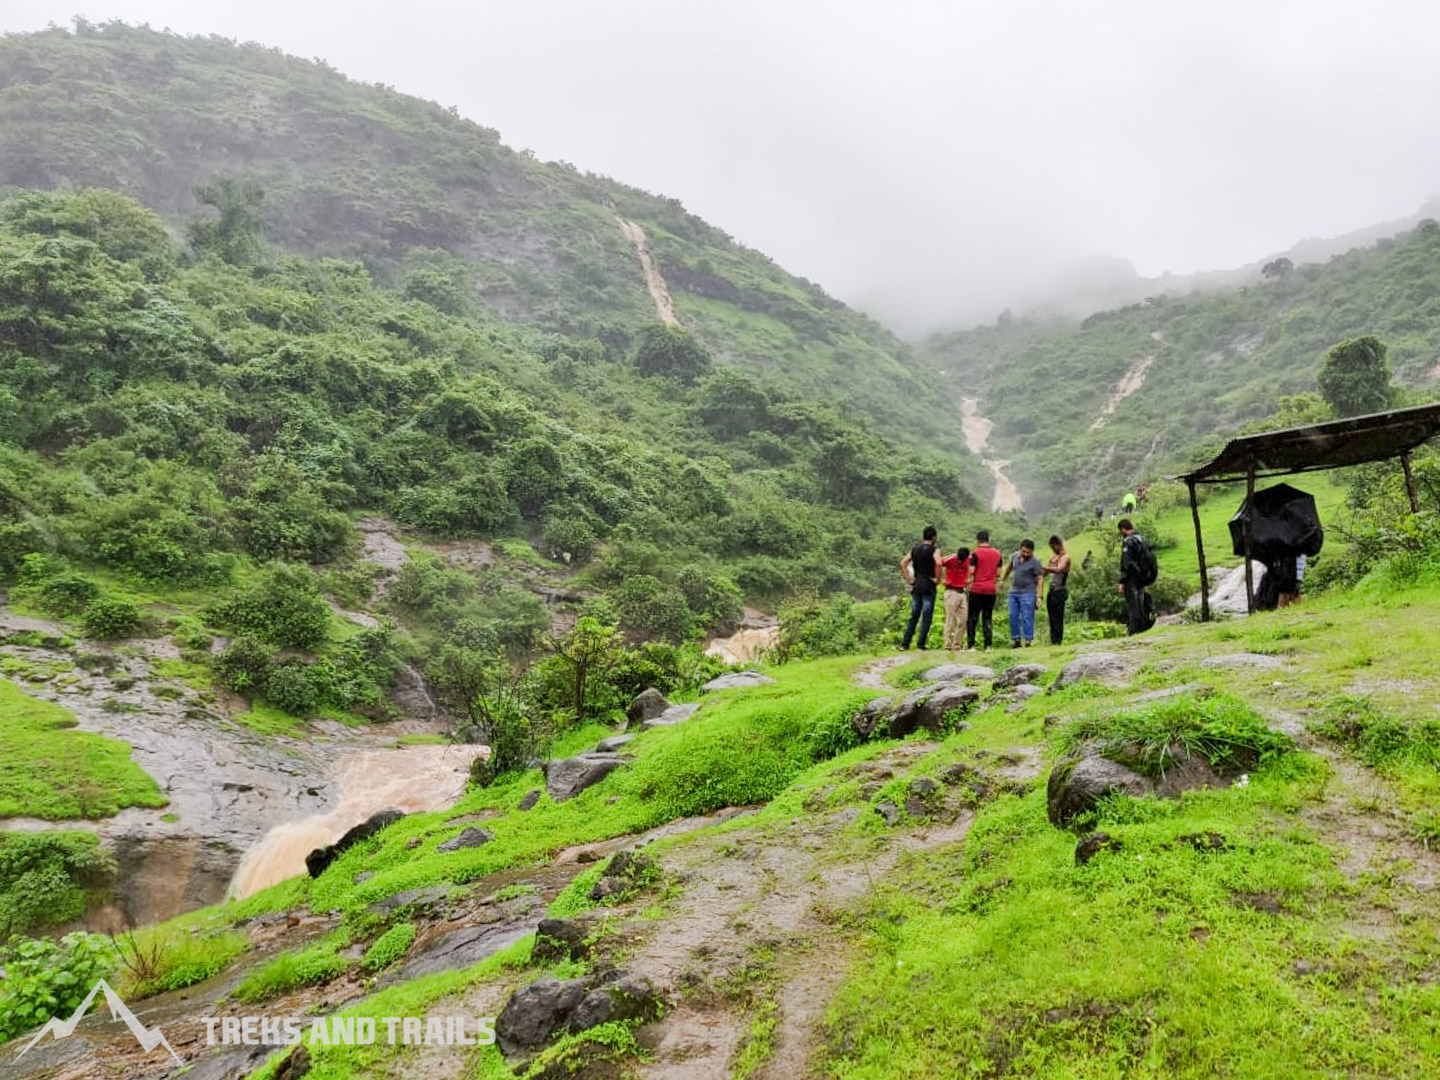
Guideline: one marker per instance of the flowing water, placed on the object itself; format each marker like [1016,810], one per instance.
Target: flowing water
[414,779]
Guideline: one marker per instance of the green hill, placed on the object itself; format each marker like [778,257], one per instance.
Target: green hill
[362,172]
[1210,363]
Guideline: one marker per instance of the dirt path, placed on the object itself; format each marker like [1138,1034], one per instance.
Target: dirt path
[654,282]
[1129,383]
[977,431]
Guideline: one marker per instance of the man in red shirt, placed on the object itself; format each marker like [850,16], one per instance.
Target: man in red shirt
[985,562]
[957,576]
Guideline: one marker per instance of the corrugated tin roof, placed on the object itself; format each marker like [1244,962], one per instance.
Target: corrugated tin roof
[1352,441]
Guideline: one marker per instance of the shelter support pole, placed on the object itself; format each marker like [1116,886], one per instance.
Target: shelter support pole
[1247,522]
[1410,482]
[1200,552]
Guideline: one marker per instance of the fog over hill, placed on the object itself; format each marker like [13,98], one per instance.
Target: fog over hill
[929,162]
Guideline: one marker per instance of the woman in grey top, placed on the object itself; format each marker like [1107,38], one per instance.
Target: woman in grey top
[1027,572]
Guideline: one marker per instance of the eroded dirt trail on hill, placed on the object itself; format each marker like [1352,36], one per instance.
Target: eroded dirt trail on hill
[977,431]
[654,281]
[1129,384]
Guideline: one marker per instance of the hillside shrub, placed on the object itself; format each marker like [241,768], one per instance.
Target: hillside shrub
[46,878]
[45,978]
[245,665]
[110,617]
[284,608]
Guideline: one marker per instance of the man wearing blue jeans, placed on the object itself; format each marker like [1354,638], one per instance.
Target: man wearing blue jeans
[921,571]
[1027,571]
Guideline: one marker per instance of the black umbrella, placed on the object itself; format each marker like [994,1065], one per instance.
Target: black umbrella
[1284,524]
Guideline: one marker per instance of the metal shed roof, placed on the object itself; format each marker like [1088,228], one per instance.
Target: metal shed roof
[1352,441]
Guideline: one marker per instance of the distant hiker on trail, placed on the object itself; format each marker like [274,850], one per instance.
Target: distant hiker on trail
[923,576]
[1140,493]
[1137,571]
[1129,503]
[984,578]
[957,577]
[1057,569]
[1028,573]
[1099,514]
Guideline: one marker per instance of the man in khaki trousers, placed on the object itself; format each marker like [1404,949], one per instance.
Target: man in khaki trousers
[957,576]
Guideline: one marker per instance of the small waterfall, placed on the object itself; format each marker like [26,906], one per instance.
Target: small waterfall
[415,779]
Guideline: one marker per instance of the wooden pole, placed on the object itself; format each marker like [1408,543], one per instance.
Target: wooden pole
[1200,552]
[1410,482]
[1249,517]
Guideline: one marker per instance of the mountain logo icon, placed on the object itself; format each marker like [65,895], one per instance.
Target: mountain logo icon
[148,1038]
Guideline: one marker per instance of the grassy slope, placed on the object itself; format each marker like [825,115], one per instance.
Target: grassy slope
[998,956]
[363,172]
[1161,960]
[1219,361]
[48,770]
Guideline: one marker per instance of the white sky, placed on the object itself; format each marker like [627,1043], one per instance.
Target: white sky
[929,160]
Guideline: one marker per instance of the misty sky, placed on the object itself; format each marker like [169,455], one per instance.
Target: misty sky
[928,160]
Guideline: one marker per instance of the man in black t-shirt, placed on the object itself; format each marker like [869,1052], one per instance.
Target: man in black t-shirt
[921,572]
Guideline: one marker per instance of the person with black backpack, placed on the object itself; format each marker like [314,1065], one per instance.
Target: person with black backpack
[1138,571]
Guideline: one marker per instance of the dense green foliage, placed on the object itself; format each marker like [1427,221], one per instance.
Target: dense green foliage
[1218,361]
[45,978]
[48,878]
[1355,378]
[226,140]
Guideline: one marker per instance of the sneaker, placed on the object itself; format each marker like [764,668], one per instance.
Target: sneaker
[1015,644]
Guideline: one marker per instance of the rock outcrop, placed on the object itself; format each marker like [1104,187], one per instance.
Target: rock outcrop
[319,859]
[567,777]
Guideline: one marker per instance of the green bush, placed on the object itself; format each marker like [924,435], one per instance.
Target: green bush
[46,878]
[388,947]
[291,686]
[245,665]
[284,608]
[66,593]
[46,978]
[110,617]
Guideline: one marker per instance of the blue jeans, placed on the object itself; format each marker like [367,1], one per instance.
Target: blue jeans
[1022,616]
[922,611]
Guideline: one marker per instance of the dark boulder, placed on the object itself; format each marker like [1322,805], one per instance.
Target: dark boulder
[566,778]
[928,707]
[874,714]
[1092,844]
[625,873]
[470,838]
[535,1013]
[529,801]
[1077,784]
[648,703]
[561,939]
[321,858]
[626,996]
[1020,673]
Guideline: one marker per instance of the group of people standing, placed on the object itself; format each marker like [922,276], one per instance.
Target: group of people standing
[972,580]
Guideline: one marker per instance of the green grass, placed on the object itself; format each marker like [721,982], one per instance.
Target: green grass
[290,970]
[1222,729]
[48,770]
[1005,959]
[413,998]
[265,719]
[158,959]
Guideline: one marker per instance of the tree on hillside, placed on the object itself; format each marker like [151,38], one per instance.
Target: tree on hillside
[1276,268]
[235,236]
[1355,378]
[671,352]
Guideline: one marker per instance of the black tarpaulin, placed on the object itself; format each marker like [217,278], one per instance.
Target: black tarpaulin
[1284,524]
